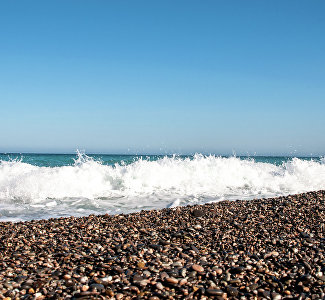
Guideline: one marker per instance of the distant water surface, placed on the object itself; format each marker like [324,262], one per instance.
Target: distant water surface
[41,186]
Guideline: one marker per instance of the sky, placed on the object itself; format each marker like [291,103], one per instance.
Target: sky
[244,77]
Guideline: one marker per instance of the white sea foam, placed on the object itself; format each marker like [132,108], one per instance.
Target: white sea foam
[88,186]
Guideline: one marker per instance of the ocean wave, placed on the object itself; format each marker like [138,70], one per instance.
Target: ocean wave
[89,186]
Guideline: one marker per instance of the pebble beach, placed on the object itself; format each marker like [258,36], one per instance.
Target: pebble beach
[258,249]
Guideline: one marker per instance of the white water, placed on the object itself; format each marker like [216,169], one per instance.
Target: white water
[31,192]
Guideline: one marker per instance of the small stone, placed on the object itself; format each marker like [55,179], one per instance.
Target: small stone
[276,296]
[134,289]
[106,280]
[66,277]
[39,296]
[232,291]
[119,296]
[85,288]
[183,272]
[273,254]
[218,271]
[141,265]
[88,293]
[146,273]
[198,213]
[109,292]
[137,278]
[83,279]
[198,268]
[159,286]
[163,275]
[177,264]
[214,292]
[171,280]
[97,286]
[143,283]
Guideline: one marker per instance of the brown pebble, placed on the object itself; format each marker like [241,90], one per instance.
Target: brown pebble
[141,265]
[198,268]
[119,296]
[214,292]
[85,288]
[230,251]
[66,277]
[134,289]
[109,292]
[171,280]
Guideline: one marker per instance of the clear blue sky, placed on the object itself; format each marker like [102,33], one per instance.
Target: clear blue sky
[163,76]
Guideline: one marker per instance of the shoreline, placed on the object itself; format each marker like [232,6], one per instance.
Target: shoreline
[265,248]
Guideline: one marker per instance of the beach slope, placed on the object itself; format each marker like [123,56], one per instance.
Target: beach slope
[267,248]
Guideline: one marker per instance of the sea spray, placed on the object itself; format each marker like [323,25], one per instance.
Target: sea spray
[90,186]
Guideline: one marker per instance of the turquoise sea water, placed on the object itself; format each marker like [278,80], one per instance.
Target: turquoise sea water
[59,160]
[36,186]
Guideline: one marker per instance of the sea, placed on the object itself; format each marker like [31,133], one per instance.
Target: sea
[43,186]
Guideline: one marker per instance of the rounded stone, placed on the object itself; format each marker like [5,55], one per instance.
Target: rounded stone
[172,280]
[198,268]
[214,292]
[97,286]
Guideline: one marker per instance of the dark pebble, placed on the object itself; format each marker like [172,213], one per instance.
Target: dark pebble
[259,249]
[97,286]
[214,292]
[198,213]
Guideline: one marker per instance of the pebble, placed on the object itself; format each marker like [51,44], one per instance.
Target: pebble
[183,272]
[83,279]
[198,268]
[85,288]
[141,265]
[159,286]
[214,292]
[276,296]
[119,296]
[232,291]
[268,248]
[97,286]
[171,280]
[66,277]
[198,213]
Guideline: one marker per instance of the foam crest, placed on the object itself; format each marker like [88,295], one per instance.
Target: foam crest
[88,186]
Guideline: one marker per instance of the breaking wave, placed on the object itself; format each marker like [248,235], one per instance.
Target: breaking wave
[89,186]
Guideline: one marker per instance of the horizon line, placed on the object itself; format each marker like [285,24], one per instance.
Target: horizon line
[163,154]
